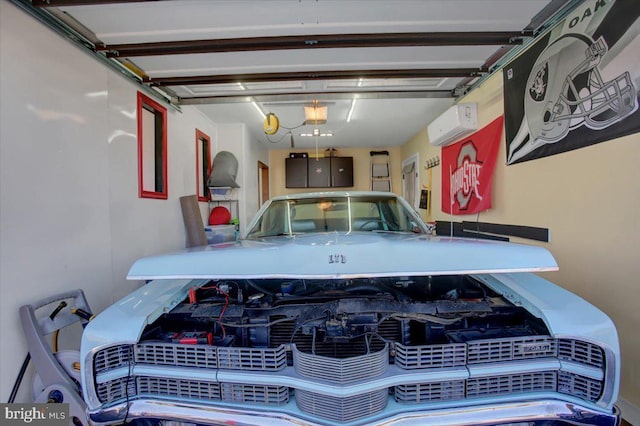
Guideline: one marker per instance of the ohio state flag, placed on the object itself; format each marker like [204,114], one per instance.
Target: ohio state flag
[467,170]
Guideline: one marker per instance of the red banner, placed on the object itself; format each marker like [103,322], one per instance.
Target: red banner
[467,170]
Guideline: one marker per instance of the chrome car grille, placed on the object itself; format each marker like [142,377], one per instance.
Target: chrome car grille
[254,394]
[355,366]
[179,388]
[145,386]
[335,370]
[580,386]
[431,356]
[342,409]
[511,349]
[202,356]
[112,357]
[198,356]
[252,359]
[116,390]
[581,352]
[428,392]
[511,384]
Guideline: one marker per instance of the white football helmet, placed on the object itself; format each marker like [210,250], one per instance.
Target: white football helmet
[566,90]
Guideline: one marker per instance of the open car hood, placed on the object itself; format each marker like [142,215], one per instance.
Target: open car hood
[345,255]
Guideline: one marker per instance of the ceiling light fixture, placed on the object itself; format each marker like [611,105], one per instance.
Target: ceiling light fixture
[315,114]
[328,134]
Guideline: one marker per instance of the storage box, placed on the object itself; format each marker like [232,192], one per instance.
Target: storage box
[220,233]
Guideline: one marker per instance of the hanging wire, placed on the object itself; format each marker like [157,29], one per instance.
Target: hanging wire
[294,127]
[317,134]
[281,137]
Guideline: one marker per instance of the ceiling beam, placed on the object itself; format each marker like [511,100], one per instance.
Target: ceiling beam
[62,3]
[320,41]
[315,75]
[285,97]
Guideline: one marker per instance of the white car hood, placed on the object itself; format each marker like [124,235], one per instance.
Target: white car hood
[345,255]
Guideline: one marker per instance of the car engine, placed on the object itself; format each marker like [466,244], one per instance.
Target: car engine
[342,318]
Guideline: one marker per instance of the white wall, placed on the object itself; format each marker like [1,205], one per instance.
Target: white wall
[253,152]
[236,139]
[70,216]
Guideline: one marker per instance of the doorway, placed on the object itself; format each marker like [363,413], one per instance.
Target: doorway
[411,181]
[263,183]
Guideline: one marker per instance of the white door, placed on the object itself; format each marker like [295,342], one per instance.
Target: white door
[411,181]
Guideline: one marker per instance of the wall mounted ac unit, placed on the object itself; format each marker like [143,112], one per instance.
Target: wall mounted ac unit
[455,123]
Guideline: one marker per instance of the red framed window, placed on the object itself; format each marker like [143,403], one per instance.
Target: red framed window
[152,148]
[203,164]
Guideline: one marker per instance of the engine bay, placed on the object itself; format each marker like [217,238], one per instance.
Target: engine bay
[343,317]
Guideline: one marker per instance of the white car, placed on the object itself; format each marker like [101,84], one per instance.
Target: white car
[341,308]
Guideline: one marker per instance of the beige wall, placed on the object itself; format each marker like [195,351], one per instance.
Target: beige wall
[361,162]
[589,199]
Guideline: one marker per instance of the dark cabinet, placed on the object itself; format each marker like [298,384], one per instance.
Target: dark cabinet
[319,173]
[326,172]
[296,173]
[341,172]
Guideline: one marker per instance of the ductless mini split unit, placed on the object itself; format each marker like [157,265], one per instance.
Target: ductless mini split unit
[454,124]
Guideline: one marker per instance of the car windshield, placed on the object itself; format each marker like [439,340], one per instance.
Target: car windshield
[336,214]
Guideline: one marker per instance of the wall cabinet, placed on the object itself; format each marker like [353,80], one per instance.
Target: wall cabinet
[319,173]
[327,172]
[341,172]
[296,173]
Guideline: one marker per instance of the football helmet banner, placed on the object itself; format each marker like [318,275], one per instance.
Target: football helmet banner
[567,89]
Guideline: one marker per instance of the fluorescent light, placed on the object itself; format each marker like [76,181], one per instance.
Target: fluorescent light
[100,94]
[353,102]
[353,105]
[255,105]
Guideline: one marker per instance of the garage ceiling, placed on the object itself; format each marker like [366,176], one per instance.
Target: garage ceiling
[392,65]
